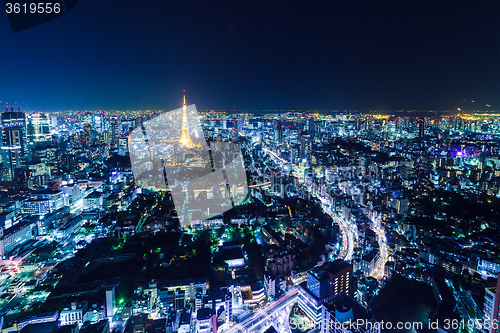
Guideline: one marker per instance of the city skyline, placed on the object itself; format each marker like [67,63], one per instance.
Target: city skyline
[121,223]
[257,56]
[342,172]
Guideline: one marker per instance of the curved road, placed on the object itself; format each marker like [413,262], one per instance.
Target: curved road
[258,319]
[349,231]
[382,242]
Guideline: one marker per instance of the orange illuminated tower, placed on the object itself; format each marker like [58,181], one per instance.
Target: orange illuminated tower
[185,140]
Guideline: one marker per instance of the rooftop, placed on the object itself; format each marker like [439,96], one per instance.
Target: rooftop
[204,313]
[338,266]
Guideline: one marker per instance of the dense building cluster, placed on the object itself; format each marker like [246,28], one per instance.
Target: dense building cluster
[339,209]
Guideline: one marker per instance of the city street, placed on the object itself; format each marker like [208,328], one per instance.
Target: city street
[274,313]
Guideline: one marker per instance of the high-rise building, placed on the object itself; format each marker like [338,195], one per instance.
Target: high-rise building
[53,121]
[87,117]
[241,123]
[369,262]
[126,126]
[305,146]
[115,131]
[229,307]
[87,133]
[325,281]
[318,282]
[98,123]
[402,206]
[122,145]
[364,164]
[340,274]
[421,128]
[68,162]
[38,128]
[14,138]
[278,133]
[310,127]
[110,301]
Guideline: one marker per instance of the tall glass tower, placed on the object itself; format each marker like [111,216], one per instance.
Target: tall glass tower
[13,138]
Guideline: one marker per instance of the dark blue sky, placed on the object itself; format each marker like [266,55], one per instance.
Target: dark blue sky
[256,55]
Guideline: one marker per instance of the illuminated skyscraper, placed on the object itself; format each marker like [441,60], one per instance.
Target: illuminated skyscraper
[115,130]
[87,133]
[310,127]
[278,133]
[340,273]
[87,117]
[14,138]
[53,121]
[122,142]
[305,146]
[98,123]
[421,128]
[318,283]
[364,164]
[331,279]
[241,124]
[38,128]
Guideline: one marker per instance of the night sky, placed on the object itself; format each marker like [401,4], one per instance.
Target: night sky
[252,55]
